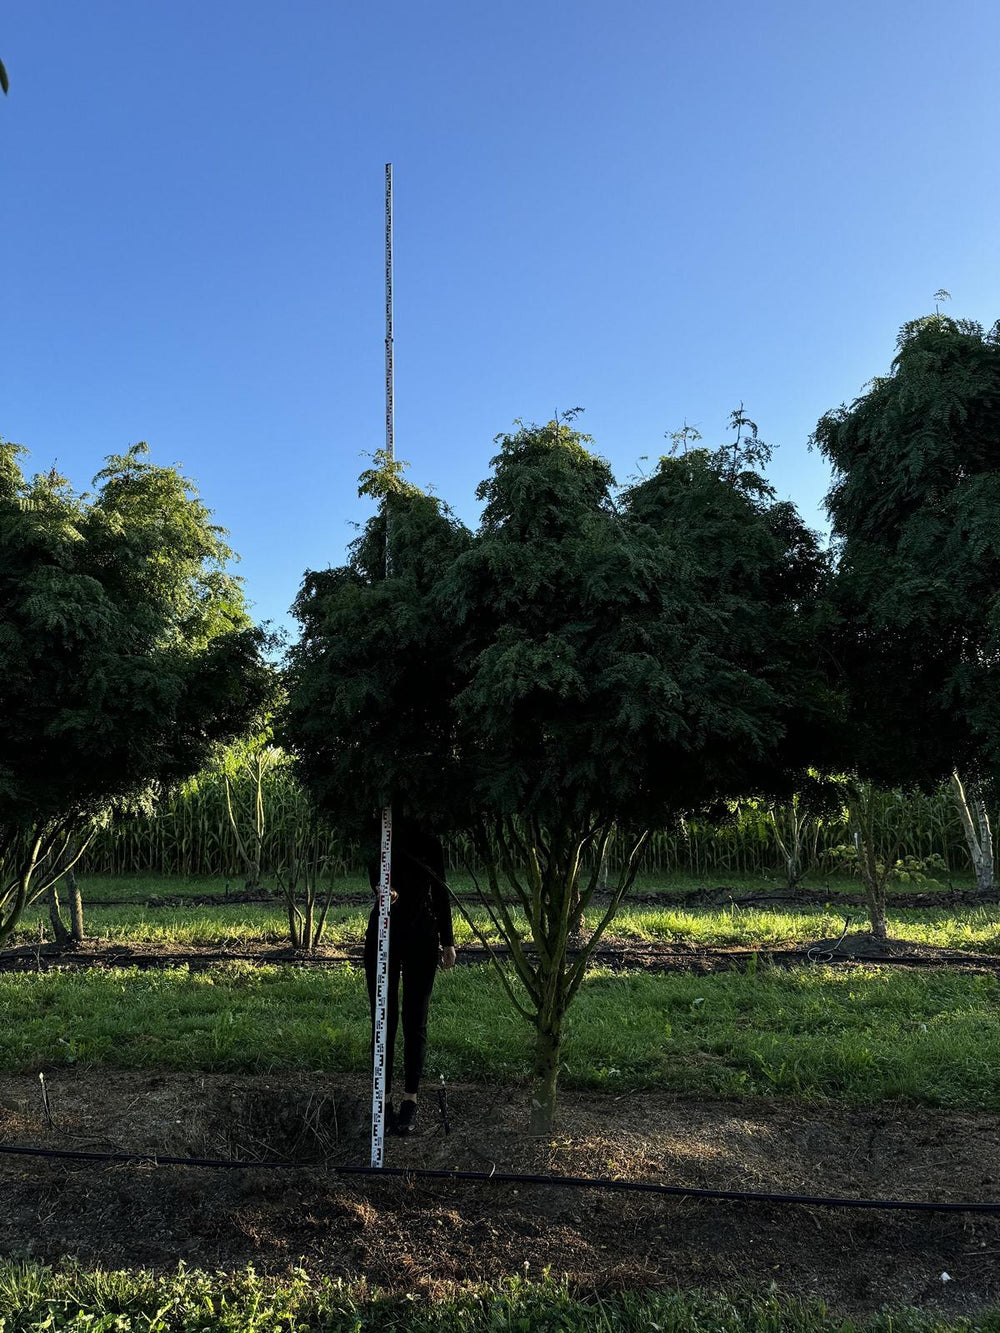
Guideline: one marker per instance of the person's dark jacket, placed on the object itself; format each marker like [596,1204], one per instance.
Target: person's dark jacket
[418,878]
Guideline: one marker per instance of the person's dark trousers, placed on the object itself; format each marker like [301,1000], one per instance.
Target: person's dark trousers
[413,955]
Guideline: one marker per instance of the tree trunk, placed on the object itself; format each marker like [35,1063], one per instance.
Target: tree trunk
[979,840]
[75,907]
[548,1042]
[602,879]
[985,882]
[875,895]
[874,875]
[308,931]
[293,924]
[60,934]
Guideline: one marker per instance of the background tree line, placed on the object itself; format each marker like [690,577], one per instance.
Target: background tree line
[594,662]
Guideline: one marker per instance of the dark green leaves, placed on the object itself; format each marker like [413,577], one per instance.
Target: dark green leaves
[125,649]
[586,655]
[916,511]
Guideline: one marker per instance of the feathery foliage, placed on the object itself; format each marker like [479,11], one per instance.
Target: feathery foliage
[126,653]
[915,507]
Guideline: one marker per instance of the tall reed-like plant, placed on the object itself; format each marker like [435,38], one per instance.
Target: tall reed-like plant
[189,832]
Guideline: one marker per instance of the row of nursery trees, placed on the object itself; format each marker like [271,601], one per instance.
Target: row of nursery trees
[205,827]
[592,661]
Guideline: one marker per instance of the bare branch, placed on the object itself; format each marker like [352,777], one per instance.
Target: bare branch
[68,866]
[625,881]
[576,920]
[495,957]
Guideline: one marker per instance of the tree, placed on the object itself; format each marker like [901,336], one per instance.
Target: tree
[915,509]
[796,824]
[126,655]
[978,832]
[296,862]
[585,661]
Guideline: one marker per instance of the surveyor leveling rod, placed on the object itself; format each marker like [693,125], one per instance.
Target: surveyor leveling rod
[385,865]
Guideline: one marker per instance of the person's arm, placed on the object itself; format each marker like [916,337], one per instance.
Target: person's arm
[440,899]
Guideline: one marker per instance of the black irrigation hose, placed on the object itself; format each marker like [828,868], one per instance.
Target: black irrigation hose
[515,1178]
[150,1159]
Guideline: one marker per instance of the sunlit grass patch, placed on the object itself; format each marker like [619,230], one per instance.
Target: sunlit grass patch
[975,929]
[230,922]
[73,1299]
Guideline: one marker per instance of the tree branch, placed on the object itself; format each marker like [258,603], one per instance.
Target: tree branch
[576,921]
[495,957]
[625,881]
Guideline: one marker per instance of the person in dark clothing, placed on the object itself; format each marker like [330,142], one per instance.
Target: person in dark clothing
[420,936]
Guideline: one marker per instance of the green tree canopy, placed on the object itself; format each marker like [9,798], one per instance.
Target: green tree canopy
[371,682]
[587,659]
[915,507]
[126,652]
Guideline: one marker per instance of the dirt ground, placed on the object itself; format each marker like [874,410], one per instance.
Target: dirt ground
[408,1236]
[716,895]
[633,955]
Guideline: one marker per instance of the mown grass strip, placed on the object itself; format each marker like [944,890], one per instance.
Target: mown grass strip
[974,929]
[74,1299]
[932,1038]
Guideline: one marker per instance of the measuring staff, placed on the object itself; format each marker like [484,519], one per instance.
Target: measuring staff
[421,938]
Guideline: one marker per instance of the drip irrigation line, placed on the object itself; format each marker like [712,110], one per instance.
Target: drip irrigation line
[407,1173]
[815,954]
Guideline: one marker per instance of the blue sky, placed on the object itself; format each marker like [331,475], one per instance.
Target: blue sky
[652,210]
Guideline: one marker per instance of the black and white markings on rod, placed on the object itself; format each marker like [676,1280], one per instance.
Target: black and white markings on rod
[381,991]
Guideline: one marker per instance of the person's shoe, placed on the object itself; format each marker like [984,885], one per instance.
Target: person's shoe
[407,1118]
[390,1118]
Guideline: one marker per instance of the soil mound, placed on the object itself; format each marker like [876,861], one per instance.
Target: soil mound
[863,946]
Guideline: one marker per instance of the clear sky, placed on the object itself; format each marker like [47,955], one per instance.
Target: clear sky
[651,208]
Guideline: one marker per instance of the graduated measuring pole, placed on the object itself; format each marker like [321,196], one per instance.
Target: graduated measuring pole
[385,864]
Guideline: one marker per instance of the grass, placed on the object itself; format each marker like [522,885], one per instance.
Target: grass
[976,929]
[811,1034]
[74,1299]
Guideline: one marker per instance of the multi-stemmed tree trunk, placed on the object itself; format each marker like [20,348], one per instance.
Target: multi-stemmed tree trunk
[31,865]
[796,832]
[543,869]
[60,934]
[75,934]
[875,871]
[305,904]
[298,877]
[978,834]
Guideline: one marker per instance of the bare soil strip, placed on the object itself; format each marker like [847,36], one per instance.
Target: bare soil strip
[722,895]
[403,1236]
[619,955]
